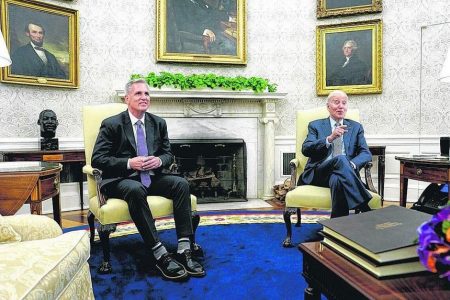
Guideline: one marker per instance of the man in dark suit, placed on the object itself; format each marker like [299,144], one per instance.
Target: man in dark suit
[351,70]
[337,150]
[131,149]
[32,59]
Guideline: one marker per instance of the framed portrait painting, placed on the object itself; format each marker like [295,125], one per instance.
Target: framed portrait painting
[349,58]
[201,31]
[334,8]
[42,40]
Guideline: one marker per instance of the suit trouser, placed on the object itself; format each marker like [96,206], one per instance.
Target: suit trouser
[347,189]
[169,186]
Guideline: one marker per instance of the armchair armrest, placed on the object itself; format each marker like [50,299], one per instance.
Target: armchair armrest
[293,166]
[368,177]
[97,174]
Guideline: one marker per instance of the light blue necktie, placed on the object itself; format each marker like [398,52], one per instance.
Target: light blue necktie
[142,151]
[337,144]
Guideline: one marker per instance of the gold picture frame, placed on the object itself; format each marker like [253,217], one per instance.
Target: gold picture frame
[335,8]
[43,43]
[207,31]
[349,58]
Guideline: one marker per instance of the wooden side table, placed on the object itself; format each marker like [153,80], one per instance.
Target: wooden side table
[72,160]
[329,273]
[32,183]
[422,168]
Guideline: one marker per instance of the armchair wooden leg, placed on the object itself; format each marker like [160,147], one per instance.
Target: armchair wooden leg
[91,222]
[287,221]
[299,218]
[104,231]
[196,248]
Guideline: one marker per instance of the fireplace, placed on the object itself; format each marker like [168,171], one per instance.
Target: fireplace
[214,168]
[219,114]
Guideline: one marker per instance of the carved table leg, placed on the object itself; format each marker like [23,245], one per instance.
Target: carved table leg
[311,293]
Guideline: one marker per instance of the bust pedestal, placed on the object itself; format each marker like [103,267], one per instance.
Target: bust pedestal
[49,144]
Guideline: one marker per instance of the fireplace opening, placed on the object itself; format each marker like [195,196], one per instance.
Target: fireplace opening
[214,168]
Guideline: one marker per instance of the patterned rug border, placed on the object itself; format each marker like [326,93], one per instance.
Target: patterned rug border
[226,218]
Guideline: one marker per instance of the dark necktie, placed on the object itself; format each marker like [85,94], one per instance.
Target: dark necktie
[337,144]
[142,151]
[39,48]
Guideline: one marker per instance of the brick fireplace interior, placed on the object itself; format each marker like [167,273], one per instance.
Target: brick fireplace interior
[214,168]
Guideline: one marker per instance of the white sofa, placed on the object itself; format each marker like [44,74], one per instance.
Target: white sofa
[38,261]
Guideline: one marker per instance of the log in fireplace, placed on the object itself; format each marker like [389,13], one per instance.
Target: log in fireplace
[214,168]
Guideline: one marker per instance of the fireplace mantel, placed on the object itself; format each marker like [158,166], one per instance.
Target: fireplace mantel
[168,94]
[216,104]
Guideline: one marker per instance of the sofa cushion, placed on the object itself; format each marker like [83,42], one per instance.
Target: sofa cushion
[7,233]
[42,269]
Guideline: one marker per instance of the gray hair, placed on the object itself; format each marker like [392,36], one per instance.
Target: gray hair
[336,93]
[130,83]
[351,42]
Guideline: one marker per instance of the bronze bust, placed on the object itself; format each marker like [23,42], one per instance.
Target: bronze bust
[48,122]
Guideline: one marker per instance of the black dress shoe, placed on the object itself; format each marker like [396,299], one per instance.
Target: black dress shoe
[362,208]
[170,268]
[193,267]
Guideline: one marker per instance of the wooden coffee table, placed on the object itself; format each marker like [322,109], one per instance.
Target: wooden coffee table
[328,273]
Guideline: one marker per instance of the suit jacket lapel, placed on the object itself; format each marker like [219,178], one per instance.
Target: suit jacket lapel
[149,133]
[128,127]
[347,136]
[326,127]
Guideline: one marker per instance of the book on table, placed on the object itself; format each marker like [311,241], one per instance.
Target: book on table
[379,271]
[384,236]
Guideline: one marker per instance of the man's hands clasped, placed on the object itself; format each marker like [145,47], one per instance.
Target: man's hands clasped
[145,163]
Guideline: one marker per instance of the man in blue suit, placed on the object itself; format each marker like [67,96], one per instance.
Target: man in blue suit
[337,150]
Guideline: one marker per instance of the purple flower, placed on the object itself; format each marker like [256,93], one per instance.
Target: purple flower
[434,243]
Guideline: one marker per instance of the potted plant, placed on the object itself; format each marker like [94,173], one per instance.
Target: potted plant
[212,81]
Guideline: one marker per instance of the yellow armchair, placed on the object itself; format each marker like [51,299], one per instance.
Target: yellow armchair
[310,196]
[111,211]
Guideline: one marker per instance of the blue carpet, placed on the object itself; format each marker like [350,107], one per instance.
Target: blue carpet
[242,261]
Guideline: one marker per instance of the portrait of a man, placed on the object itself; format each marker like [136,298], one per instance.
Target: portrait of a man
[201,26]
[32,59]
[346,3]
[42,39]
[349,57]
[332,8]
[350,69]
[201,31]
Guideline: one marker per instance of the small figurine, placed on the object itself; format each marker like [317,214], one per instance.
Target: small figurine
[48,122]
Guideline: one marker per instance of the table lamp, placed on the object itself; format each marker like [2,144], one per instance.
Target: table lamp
[5,60]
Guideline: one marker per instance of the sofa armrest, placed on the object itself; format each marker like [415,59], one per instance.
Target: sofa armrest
[97,175]
[34,227]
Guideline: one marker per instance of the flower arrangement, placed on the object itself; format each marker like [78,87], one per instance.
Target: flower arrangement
[434,243]
[195,81]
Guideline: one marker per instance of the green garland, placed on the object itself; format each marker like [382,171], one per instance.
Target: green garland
[198,81]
